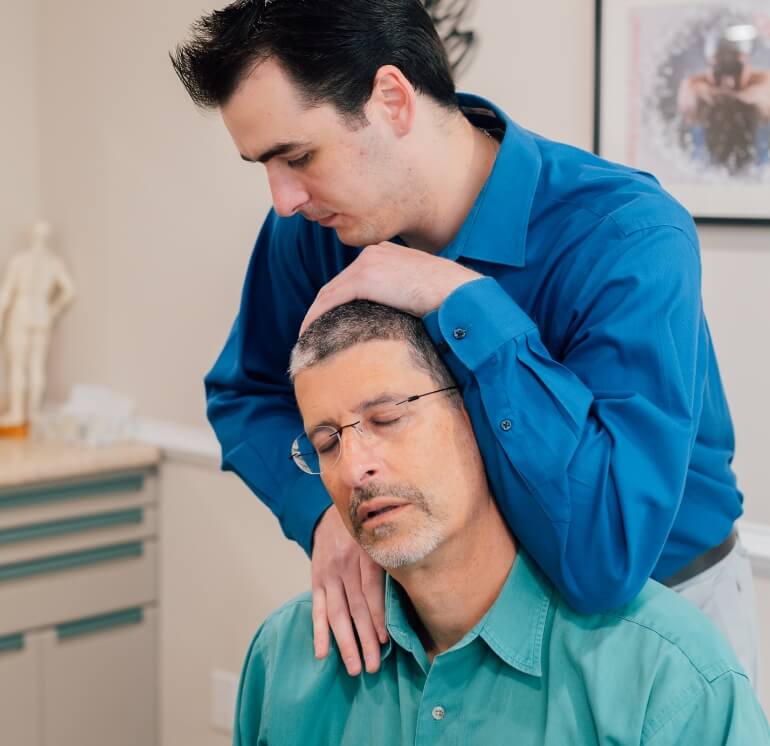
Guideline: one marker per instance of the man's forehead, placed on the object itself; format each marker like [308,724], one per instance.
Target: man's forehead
[360,374]
[266,111]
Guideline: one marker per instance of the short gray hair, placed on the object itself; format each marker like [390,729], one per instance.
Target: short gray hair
[363,321]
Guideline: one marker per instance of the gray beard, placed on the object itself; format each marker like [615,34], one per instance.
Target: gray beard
[414,546]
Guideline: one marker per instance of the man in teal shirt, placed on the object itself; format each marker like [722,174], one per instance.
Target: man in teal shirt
[482,648]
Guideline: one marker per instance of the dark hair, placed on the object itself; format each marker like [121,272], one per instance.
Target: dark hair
[330,49]
[363,321]
[730,133]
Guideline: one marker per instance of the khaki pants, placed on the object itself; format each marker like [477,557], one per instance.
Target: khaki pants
[725,594]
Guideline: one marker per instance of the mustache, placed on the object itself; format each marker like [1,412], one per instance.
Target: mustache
[314,214]
[371,490]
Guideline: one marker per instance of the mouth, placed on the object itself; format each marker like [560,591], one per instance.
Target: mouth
[374,511]
[328,220]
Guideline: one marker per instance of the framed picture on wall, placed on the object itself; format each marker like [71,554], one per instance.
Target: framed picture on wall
[683,91]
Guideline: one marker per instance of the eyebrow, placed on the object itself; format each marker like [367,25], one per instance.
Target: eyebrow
[280,149]
[362,407]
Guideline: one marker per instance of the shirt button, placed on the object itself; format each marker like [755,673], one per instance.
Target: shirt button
[506,425]
[459,333]
[438,713]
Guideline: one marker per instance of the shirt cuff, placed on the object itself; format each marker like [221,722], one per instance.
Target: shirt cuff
[304,503]
[474,321]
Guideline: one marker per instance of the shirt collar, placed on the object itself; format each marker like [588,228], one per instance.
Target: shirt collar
[513,628]
[496,227]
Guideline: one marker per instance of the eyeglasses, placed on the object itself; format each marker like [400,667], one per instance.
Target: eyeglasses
[320,451]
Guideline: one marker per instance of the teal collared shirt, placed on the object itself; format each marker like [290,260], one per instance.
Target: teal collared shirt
[531,672]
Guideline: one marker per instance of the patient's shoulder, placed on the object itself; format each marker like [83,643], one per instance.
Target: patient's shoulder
[282,650]
[665,615]
[286,629]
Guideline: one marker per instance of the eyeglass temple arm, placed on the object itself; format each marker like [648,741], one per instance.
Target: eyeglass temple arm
[420,396]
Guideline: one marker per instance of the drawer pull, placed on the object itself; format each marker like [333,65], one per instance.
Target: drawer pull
[70,561]
[99,623]
[40,495]
[11,643]
[70,526]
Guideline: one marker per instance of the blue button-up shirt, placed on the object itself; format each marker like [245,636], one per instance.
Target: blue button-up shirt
[583,354]
[532,672]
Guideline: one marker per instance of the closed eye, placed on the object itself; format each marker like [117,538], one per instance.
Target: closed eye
[303,160]
[385,421]
[328,446]
[326,441]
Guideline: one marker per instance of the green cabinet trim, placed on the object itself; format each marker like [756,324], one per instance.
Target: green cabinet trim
[70,561]
[11,643]
[70,525]
[25,497]
[98,623]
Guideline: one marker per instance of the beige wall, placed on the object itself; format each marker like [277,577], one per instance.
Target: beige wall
[19,123]
[156,212]
[736,273]
[19,127]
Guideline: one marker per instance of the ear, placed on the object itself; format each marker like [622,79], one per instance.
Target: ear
[393,99]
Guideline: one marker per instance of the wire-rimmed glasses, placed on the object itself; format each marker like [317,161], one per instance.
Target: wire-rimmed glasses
[320,450]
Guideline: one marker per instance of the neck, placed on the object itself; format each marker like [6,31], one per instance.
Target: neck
[456,585]
[459,161]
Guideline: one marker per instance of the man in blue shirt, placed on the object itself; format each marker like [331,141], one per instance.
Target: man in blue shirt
[562,290]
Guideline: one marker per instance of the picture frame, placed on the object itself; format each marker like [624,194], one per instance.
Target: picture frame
[682,91]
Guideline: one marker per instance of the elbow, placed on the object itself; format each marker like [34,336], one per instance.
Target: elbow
[597,597]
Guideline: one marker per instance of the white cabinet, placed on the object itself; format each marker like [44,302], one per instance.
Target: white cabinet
[99,681]
[20,720]
[78,606]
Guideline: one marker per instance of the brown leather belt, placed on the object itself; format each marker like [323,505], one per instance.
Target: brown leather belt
[703,561]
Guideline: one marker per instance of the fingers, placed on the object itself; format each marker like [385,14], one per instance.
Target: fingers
[362,618]
[341,289]
[326,300]
[320,624]
[373,586]
[339,601]
[339,615]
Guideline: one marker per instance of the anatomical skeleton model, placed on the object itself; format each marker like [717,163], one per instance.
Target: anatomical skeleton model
[35,289]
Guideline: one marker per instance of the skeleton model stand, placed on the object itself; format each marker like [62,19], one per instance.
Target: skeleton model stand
[35,290]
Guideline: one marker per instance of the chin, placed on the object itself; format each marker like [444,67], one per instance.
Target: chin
[393,552]
[358,235]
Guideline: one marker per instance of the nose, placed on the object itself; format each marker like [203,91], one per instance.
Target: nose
[286,188]
[360,459]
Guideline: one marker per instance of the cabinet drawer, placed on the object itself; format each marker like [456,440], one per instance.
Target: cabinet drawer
[100,682]
[20,710]
[58,588]
[66,535]
[51,502]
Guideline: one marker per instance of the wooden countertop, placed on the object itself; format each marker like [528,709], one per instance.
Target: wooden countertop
[26,462]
